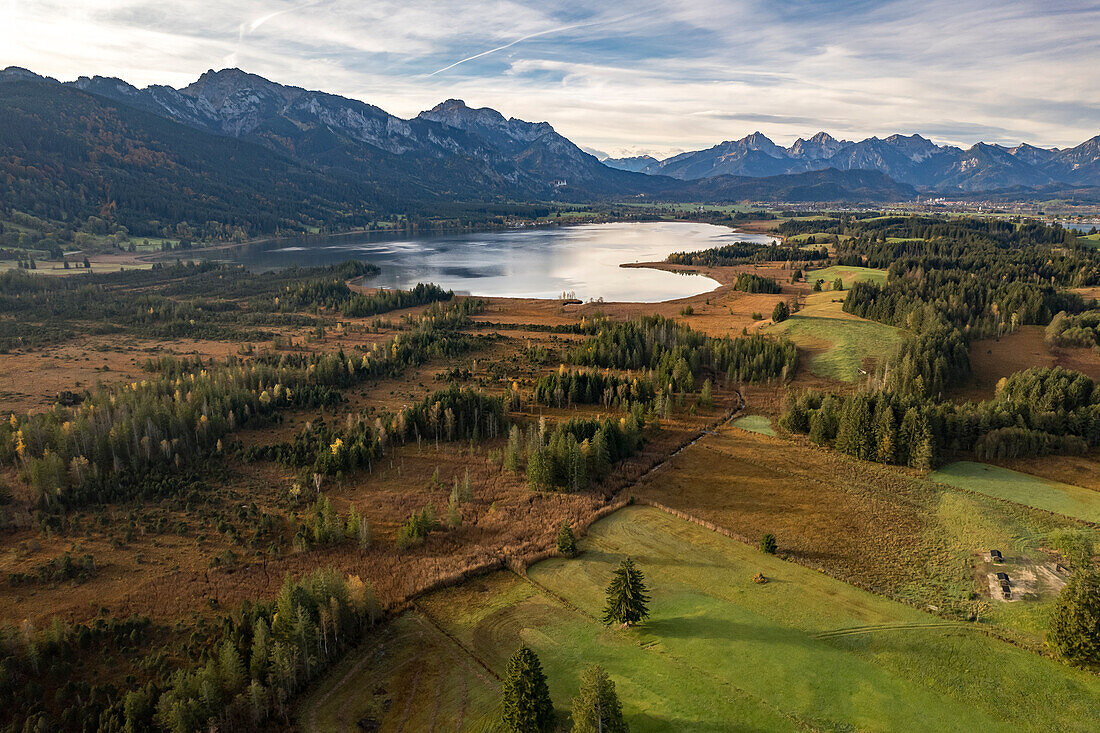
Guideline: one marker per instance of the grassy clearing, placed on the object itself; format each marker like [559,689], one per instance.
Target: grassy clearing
[820,239]
[904,537]
[755,423]
[840,344]
[849,274]
[1002,483]
[802,651]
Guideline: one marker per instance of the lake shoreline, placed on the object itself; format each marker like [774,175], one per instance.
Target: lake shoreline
[581,262]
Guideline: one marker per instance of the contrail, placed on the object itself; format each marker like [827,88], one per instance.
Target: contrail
[525,38]
[253,25]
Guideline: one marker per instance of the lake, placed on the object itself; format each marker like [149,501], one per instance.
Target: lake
[580,260]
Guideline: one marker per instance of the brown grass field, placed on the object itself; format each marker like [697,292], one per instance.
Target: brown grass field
[993,359]
[167,576]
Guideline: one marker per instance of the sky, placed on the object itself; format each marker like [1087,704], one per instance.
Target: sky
[625,78]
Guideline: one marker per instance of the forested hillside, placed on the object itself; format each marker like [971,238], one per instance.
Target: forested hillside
[67,155]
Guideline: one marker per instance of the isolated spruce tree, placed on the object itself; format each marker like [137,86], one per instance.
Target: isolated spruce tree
[1075,623]
[525,697]
[768,544]
[567,543]
[596,708]
[781,311]
[627,596]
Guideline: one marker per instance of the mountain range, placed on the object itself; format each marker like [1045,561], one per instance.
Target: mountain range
[234,151]
[911,159]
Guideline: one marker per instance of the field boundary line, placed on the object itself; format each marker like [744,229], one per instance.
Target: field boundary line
[312,717]
[426,617]
[870,629]
[560,599]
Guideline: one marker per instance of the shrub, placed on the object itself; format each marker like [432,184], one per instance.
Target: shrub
[768,544]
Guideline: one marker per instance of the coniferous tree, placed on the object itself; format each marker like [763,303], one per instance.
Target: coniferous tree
[886,433]
[781,311]
[596,708]
[627,596]
[525,698]
[768,544]
[567,543]
[1075,622]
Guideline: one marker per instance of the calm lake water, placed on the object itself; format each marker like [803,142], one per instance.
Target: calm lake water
[525,263]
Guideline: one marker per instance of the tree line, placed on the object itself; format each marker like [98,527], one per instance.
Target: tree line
[744,253]
[1035,412]
[675,353]
[75,455]
[1078,330]
[753,283]
[238,678]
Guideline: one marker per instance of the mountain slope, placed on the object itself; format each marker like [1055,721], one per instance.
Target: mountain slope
[829,185]
[236,153]
[69,155]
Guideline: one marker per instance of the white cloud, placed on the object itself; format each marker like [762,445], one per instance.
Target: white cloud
[669,77]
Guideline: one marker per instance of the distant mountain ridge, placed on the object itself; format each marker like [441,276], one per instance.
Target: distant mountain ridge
[911,159]
[235,152]
[360,158]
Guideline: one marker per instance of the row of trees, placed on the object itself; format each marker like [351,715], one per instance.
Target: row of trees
[753,283]
[334,294]
[71,454]
[743,253]
[675,353]
[591,387]
[1035,412]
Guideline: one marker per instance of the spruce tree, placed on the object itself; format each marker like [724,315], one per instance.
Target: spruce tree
[627,596]
[1075,623]
[886,432]
[781,312]
[596,708]
[567,543]
[525,697]
[768,544]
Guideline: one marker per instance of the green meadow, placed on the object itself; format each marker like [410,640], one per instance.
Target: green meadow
[1002,483]
[755,424]
[849,274]
[719,652]
[840,344]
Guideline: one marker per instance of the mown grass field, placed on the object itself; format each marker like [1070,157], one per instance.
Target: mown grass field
[849,274]
[720,652]
[1002,483]
[755,424]
[839,344]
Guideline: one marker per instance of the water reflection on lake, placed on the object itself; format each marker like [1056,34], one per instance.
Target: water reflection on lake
[527,263]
